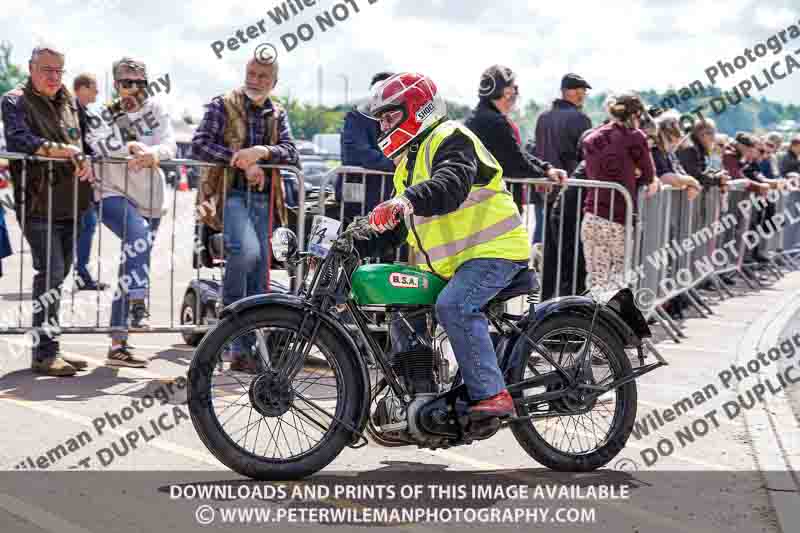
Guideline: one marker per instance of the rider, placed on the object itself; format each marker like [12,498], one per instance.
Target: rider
[465,225]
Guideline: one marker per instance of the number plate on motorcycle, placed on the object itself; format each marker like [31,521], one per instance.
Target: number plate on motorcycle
[323,233]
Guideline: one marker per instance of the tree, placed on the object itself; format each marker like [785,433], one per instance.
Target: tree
[10,75]
[308,120]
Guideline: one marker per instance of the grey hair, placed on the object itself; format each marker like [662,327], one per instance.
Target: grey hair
[128,63]
[775,138]
[45,49]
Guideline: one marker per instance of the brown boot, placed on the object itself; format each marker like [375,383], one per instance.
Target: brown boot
[53,366]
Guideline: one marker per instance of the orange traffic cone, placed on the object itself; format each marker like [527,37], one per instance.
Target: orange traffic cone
[184,183]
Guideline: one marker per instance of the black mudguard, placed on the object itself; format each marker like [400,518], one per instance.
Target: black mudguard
[620,316]
[292,301]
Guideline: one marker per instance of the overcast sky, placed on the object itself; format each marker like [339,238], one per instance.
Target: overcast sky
[613,44]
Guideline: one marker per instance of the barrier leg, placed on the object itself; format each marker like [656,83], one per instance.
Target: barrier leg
[695,296]
[664,320]
[694,304]
[746,276]
[722,289]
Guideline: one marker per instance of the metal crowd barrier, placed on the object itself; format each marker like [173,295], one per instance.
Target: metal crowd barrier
[348,191]
[76,317]
[685,245]
[563,215]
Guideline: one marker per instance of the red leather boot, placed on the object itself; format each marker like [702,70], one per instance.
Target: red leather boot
[499,405]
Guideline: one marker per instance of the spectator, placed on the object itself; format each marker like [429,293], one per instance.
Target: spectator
[133,199]
[5,241]
[720,142]
[558,132]
[616,152]
[666,136]
[85,87]
[790,169]
[668,168]
[41,119]
[695,153]
[498,94]
[737,156]
[244,128]
[360,149]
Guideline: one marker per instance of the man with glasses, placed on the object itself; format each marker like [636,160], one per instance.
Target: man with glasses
[41,118]
[242,129]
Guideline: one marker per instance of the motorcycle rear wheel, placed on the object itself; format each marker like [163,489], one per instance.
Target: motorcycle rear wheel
[568,446]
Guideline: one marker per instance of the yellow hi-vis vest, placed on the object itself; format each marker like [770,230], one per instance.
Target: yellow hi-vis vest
[486,226]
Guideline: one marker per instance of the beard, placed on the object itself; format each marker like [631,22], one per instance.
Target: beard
[255,95]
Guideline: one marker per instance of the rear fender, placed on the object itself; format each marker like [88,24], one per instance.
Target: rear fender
[291,301]
[608,317]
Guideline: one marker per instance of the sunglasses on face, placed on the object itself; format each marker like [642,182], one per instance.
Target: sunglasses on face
[127,84]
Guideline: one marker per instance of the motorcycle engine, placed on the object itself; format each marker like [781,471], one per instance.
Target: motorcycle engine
[415,368]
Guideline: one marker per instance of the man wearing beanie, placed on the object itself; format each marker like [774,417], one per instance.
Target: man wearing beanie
[498,94]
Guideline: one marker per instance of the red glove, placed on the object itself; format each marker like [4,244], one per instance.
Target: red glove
[387,214]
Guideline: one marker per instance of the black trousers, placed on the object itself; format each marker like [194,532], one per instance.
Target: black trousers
[573,217]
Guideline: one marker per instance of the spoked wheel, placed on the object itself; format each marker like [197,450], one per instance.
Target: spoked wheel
[279,421]
[573,433]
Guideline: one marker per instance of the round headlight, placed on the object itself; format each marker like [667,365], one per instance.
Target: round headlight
[284,244]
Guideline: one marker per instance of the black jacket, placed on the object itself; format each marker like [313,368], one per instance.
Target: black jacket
[789,163]
[558,131]
[693,160]
[497,135]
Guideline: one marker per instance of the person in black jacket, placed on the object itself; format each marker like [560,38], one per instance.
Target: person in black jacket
[558,133]
[498,95]
[790,169]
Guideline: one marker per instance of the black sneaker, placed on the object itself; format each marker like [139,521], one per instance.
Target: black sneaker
[123,356]
[139,315]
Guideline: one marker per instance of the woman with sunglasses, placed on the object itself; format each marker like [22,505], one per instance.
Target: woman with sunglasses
[132,194]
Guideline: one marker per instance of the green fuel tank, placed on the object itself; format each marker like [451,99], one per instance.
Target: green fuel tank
[395,285]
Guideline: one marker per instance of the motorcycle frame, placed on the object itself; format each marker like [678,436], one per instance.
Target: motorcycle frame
[337,292]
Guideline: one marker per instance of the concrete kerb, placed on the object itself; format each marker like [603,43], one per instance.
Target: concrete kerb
[772,444]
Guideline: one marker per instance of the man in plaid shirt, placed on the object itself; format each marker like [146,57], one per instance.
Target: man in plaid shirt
[242,129]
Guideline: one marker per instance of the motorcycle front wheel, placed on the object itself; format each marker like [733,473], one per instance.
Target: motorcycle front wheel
[260,417]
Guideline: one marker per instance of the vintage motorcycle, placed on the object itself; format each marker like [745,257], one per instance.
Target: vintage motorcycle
[324,381]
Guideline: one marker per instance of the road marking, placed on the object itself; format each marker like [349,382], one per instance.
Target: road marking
[166,446]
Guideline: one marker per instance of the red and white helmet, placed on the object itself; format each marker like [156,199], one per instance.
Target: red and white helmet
[407,104]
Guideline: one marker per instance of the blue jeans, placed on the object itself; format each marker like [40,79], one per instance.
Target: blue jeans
[85,236]
[538,230]
[137,234]
[246,236]
[458,309]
